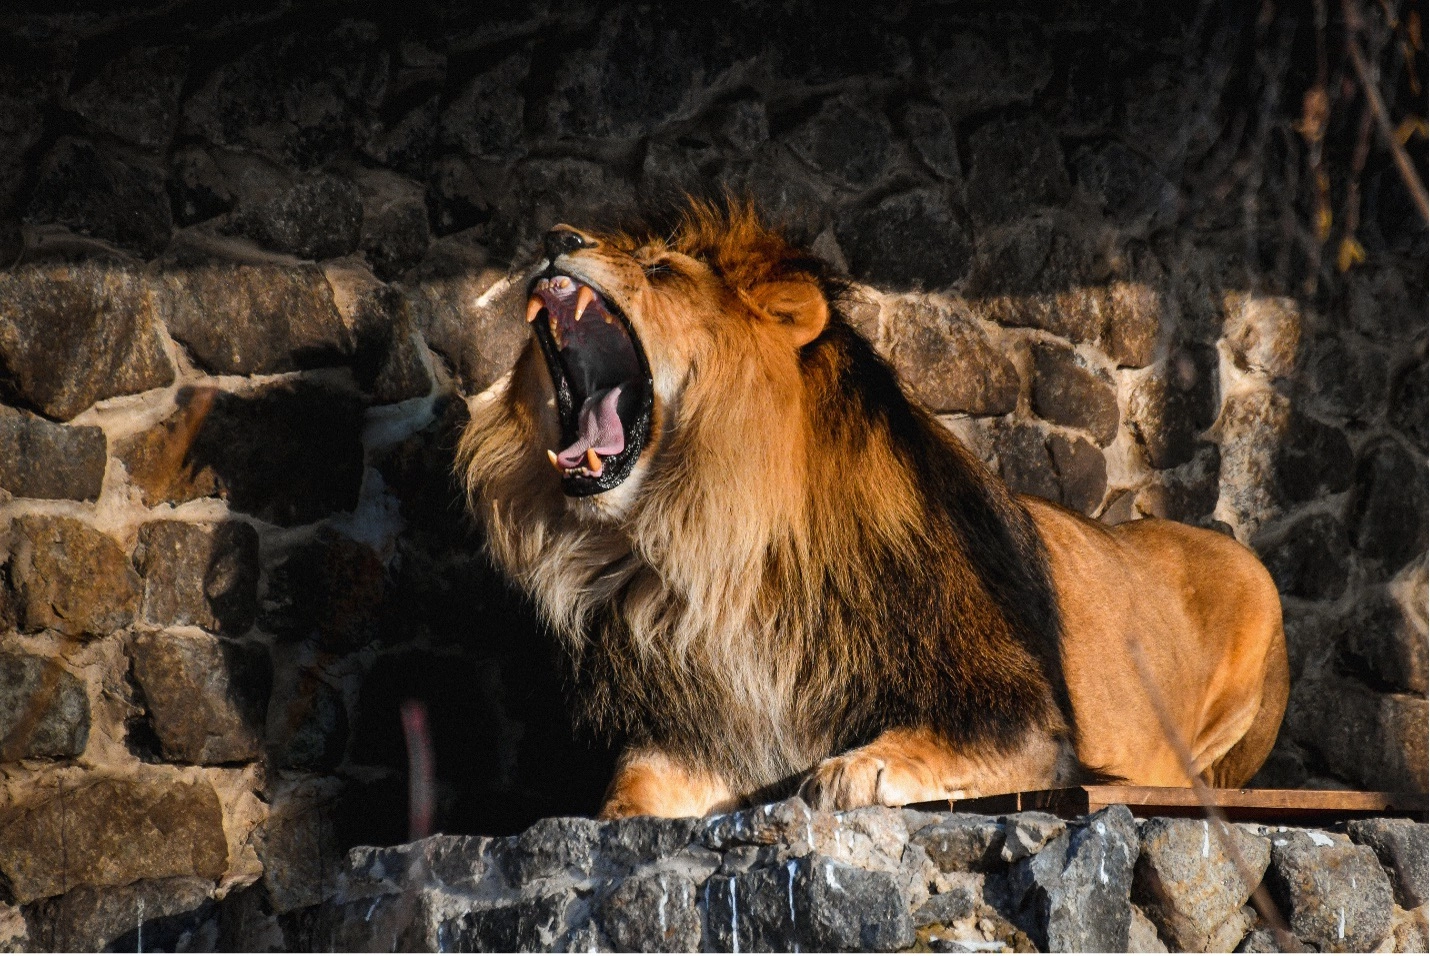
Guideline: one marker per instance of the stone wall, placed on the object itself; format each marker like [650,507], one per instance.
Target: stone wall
[253,260]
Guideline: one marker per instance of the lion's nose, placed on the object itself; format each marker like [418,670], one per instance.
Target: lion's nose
[564,239]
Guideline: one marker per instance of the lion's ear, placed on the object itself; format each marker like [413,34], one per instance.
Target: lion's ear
[798,304]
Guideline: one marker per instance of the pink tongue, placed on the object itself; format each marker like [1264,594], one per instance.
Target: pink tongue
[600,429]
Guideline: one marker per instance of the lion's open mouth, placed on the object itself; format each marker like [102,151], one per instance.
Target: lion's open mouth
[602,380]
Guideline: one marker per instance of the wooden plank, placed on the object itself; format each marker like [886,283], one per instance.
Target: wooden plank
[1305,807]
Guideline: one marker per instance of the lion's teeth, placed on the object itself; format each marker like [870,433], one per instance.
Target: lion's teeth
[534,305]
[593,461]
[583,300]
[555,462]
[561,283]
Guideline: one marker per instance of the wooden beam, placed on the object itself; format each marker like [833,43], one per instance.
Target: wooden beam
[1301,807]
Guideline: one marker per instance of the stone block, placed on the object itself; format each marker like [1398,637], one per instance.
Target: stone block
[276,318]
[1333,893]
[1187,884]
[485,119]
[206,696]
[1337,716]
[634,842]
[1074,891]
[395,231]
[44,709]
[135,96]
[931,135]
[171,914]
[246,102]
[1027,833]
[39,459]
[1383,641]
[330,589]
[552,847]
[198,186]
[1387,512]
[72,335]
[65,576]
[962,842]
[1024,461]
[1402,847]
[310,215]
[948,362]
[651,913]
[1169,409]
[1263,334]
[1409,405]
[1310,559]
[481,341]
[1313,460]
[906,241]
[307,726]
[299,849]
[111,832]
[1127,187]
[971,72]
[200,574]
[100,193]
[1067,391]
[536,923]
[1001,188]
[289,452]
[846,142]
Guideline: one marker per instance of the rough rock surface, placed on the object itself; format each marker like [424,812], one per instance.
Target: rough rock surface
[1334,894]
[110,832]
[1189,887]
[206,696]
[44,709]
[39,459]
[66,576]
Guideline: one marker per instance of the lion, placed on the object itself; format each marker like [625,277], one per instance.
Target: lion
[771,571]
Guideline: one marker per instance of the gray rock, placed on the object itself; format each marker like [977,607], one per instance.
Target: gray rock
[1263,334]
[536,923]
[1027,833]
[65,576]
[789,821]
[39,459]
[1074,892]
[44,709]
[395,231]
[111,833]
[961,842]
[931,135]
[459,863]
[307,724]
[311,216]
[1126,186]
[1081,472]
[1310,558]
[1401,847]
[846,142]
[1142,935]
[199,188]
[999,190]
[135,96]
[276,318]
[172,914]
[1168,410]
[72,335]
[651,913]
[1313,460]
[948,907]
[1187,884]
[1066,391]
[1335,716]
[99,193]
[206,696]
[817,902]
[971,73]
[1336,897]
[200,574]
[485,120]
[1382,639]
[558,846]
[948,361]
[633,842]
[1024,461]
[1409,405]
[1388,506]
[907,240]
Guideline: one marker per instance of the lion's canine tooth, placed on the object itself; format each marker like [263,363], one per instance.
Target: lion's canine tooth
[534,305]
[584,298]
[555,462]
[593,461]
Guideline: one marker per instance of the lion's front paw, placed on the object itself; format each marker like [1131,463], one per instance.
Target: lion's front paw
[844,782]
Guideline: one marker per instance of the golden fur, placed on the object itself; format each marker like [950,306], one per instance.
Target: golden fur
[806,578]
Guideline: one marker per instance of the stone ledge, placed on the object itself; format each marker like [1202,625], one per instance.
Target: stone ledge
[783,877]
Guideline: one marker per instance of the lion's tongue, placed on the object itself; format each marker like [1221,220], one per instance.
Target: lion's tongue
[600,429]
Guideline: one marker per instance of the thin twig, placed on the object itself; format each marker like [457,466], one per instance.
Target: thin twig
[1260,899]
[1382,119]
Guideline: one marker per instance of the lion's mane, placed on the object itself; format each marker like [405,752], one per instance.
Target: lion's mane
[809,561]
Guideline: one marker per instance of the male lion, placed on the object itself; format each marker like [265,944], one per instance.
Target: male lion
[768,566]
